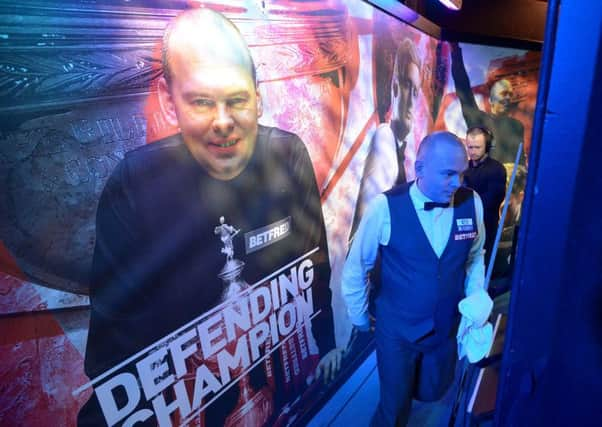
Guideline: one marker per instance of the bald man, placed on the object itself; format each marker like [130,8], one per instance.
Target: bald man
[429,235]
[159,263]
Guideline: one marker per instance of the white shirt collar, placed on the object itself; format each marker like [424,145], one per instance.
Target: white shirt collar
[418,197]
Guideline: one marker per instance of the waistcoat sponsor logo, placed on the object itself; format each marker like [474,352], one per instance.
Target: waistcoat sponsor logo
[465,236]
[464,224]
[261,237]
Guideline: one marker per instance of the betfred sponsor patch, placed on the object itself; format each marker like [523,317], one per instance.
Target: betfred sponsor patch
[465,236]
[464,224]
[261,237]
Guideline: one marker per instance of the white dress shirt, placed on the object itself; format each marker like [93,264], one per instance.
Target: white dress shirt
[381,168]
[375,230]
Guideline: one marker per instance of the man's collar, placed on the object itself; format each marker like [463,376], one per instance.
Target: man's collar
[419,198]
[399,142]
[418,195]
[479,162]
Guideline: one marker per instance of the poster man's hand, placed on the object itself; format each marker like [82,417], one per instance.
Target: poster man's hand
[330,365]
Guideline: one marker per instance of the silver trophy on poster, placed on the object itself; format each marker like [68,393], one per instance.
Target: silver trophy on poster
[253,407]
[231,272]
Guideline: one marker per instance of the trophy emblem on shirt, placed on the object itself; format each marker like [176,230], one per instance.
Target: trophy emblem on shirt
[253,407]
[232,270]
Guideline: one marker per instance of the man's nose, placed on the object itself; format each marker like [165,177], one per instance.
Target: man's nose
[223,123]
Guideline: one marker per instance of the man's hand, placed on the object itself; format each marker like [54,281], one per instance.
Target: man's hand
[329,365]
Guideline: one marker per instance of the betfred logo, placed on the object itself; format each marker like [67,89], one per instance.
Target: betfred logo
[265,236]
[465,236]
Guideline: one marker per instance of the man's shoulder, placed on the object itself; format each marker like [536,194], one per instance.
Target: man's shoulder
[155,149]
[383,132]
[274,135]
[383,141]
[149,162]
[516,123]
[495,165]
[507,123]
[466,192]
[463,195]
[156,156]
[280,145]
[398,190]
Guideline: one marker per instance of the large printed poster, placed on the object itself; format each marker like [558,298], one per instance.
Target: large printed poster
[177,201]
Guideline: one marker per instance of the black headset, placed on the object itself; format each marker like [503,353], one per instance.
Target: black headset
[486,132]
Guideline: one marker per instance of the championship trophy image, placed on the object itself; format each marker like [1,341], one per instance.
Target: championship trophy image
[253,408]
[231,272]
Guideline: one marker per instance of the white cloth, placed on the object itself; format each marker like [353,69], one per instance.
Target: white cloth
[475,334]
[375,229]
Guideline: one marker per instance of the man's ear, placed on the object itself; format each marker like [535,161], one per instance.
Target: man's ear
[259,103]
[418,168]
[166,103]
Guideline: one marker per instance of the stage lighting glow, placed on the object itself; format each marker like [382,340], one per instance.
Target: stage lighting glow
[452,4]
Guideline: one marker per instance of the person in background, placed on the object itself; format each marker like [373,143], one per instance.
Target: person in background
[384,165]
[487,177]
[507,132]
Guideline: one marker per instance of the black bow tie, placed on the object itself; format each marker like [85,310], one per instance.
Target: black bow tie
[429,206]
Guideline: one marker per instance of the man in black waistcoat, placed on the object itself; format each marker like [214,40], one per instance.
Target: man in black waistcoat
[429,235]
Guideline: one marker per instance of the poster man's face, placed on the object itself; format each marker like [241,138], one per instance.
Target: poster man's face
[216,106]
[405,95]
[441,173]
[475,145]
[500,96]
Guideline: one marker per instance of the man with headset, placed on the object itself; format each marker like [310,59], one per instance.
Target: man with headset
[508,131]
[487,177]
